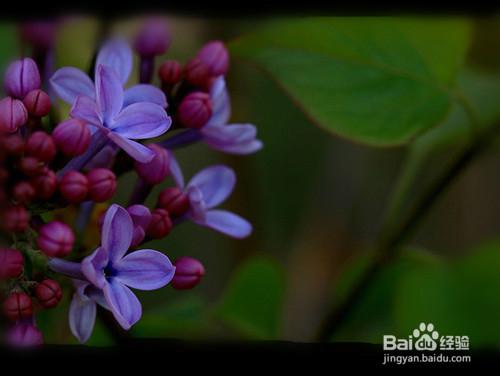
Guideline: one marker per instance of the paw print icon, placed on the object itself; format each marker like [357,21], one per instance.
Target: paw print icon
[426,337]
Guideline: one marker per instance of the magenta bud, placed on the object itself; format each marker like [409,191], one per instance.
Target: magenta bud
[170,72]
[155,171]
[160,224]
[72,137]
[215,57]
[49,293]
[13,114]
[13,145]
[195,110]
[188,273]
[23,192]
[174,201]
[37,103]
[41,146]
[45,184]
[141,217]
[15,219]
[24,334]
[11,263]
[55,239]
[21,77]
[153,38]
[197,73]
[74,187]
[102,184]
[31,166]
[18,306]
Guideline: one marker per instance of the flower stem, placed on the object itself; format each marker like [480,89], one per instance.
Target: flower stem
[98,141]
[182,138]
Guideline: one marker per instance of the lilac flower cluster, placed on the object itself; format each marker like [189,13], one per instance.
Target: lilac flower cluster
[49,169]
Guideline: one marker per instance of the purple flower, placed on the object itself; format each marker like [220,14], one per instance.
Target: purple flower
[25,334]
[21,77]
[136,113]
[207,189]
[106,276]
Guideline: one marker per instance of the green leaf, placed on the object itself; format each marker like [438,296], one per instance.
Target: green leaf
[9,48]
[379,81]
[253,300]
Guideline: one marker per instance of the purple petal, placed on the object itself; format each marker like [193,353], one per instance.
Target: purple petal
[82,313]
[93,266]
[136,150]
[140,214]
[117,55]
[144,93]
[145,270]
[240,148]
[141,120]
[123,303]
[68,268]
[197,206]
[215,183]
[228,223]
[176,172]
[68,83]
[117,230]
[221,104]
[85,108]
[109,93]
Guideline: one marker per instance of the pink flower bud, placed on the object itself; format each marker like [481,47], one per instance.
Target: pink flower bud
[197,73]
[11,263]
[170,72]
[215,57]
[13,114]
[15,219]
[102,184]
[17,306]
[74,187]
[41,146]
[160,224]
[72,137]
[188,273]
[45,184]
[174,201]
[13,145]
[21,77]
[49,293]
[141,217]
[37,103]
[55,239]
[195,110]
[23,192]
[24,334]
[155,171]
[31,166]
[153,38]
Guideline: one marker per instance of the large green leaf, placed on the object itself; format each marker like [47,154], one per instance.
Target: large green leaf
[253,301]
[376,80]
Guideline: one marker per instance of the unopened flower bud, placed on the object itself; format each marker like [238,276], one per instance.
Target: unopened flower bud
[56,239]
[141,217]
[160,224]
[72,137]
[170,72]
[21,77]
[15,219]
[188,273]
[215,57]
[101,183]
[37,103]
[13,145]
[195,110]
[13,114]
[23,192]
[24,334]
[11,263]
[41,146]
[174,201]
[155,171]
[45,184]
[49,293]
[197,73]
[18,306]
[31,166]
[74,187]
[153,38]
